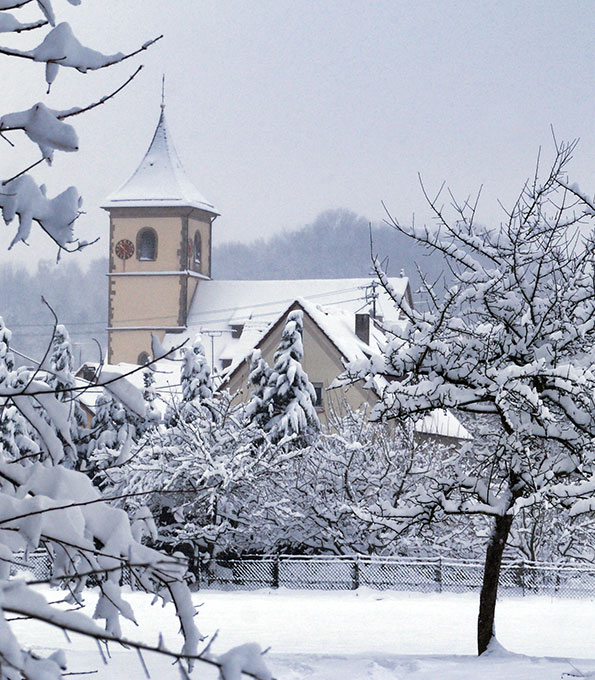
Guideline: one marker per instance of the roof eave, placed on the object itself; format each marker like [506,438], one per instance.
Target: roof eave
[158,203]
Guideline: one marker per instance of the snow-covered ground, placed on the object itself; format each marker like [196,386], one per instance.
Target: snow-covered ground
[356,635]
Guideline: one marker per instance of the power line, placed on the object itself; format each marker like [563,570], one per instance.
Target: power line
[198,317]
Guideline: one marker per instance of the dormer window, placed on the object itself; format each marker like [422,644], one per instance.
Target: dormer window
[146,244]
[236,330]
[318,388]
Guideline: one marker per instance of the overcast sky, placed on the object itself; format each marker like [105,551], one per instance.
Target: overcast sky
[280,109]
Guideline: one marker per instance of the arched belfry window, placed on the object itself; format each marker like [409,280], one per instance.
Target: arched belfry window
[146,244]
[197,248]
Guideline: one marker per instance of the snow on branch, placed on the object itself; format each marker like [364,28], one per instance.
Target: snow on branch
[24,198]
[20,195]
[10,24]
[43,126]
[60,47]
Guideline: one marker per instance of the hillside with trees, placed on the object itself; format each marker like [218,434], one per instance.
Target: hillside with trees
[77,296]
[335,245]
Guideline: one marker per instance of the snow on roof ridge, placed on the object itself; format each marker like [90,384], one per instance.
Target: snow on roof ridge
[160,178]
[345,339]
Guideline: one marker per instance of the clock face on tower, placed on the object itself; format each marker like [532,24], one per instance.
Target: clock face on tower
[124,249]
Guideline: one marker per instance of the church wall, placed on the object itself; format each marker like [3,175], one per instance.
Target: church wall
[155,297]
[127,345]
[145,300]
[168,246]
[192,285]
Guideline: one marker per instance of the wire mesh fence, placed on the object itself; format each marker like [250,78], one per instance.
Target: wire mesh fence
[394,573]
[383,573]
[37,566]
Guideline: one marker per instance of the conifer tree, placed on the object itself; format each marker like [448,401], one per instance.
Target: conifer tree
[197,385]
[7,424]
[103,438]
[256,411]
[289,395]
[152,416]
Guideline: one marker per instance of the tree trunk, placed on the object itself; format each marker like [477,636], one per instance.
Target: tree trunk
[491,577]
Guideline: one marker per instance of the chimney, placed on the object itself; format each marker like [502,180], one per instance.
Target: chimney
[362,327]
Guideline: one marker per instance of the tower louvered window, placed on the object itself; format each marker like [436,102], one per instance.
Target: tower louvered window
[146,244]
[197,248]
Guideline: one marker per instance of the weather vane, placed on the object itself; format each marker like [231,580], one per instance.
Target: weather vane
[163,91]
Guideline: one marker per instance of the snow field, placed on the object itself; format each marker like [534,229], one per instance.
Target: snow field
[353,635]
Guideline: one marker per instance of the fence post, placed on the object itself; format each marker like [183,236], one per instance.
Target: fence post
[276,572]
[355,583]
[438,575]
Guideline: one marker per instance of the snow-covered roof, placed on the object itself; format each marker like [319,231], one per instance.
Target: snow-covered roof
[255,305]
[160,179]
[442,423]
[129,387]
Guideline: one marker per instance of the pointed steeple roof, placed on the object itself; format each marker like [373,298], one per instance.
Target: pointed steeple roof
[160,179]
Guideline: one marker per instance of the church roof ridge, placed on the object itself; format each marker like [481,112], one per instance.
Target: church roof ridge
[160,180]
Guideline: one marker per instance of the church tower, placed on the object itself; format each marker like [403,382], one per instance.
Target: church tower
[160,249]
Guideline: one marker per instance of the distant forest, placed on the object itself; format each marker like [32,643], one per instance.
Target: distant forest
[335,245]
[79,299]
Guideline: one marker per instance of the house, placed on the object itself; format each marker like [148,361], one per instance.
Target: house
[161,292]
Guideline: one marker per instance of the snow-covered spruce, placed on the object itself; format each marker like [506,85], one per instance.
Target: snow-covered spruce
[62,381]
[256,411]
[288,398]
[197,386]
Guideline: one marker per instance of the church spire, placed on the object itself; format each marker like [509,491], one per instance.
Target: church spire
[160,179]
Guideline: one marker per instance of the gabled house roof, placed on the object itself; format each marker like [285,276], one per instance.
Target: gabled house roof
[159,180]
[335,328]
[338,329]
[252,306]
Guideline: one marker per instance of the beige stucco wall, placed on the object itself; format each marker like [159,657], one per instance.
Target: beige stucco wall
[154,300]
[322,363]
[168,244]
[192,283]
[145,300]
[127,345]
[141,301]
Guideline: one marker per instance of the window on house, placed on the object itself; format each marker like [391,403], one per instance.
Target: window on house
[146,244]
[362,327]
[236,330]
[318,387]
[225,363]
[197,248]
[88,373]
[143,358]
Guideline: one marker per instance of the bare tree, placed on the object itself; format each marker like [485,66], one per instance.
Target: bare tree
[509,346]
[43,504]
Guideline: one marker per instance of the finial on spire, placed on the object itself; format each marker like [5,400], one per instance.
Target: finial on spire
[163,92]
